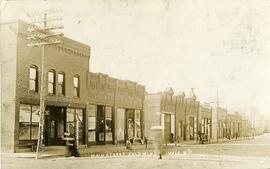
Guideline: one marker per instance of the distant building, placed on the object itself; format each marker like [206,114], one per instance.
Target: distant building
[176,114]
[234,122]
[205,120]
[159,110]
[219,121]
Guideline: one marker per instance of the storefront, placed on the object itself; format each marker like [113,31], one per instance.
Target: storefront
[28,123]
[105,127]
[133,125]
[58,120]
[100,124]
[206,127]
[113,110]
[191,128]
[168,123]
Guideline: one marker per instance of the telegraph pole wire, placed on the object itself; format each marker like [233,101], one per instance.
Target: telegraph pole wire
[42,36]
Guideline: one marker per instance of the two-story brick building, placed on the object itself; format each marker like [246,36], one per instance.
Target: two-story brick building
[66,67]
[72,94]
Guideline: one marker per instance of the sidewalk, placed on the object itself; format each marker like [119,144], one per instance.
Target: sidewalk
[107,150]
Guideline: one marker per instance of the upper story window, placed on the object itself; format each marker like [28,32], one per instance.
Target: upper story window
[51,82]
[76,86]
[33,78]
[61,83]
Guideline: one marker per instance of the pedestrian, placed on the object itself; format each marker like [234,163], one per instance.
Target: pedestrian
[200,136]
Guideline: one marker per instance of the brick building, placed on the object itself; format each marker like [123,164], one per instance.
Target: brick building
[219,123]
[176,114]
[115,110]
[205,120]
[73,94]
[191,117]
[159,110]
[234,125]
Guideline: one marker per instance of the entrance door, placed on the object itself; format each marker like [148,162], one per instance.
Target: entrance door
[54,125]
[100,128]
[130,124]
[191,128]
[180,129]
[167,129]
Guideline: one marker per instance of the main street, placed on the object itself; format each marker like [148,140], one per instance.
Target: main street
[251,153]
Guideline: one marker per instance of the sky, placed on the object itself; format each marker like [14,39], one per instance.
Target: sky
[210,46]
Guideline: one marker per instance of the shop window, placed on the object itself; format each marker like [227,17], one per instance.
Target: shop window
[162,117]
[73,113]
[51,82]
[130,123]
[138,133]
[180,129]
[33,78]
[76,86]
[29,122]
[70,121]
[191,127]
[202,129]
[120,124]
[92,124]
[173,124]
[79,116]
[35,122]
[108,123]
[61,83]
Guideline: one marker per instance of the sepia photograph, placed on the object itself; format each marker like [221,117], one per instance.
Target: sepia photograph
[137,84]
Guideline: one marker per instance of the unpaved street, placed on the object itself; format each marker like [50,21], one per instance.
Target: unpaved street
[248,154]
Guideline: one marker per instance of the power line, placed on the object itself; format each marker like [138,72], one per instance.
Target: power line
[41,36]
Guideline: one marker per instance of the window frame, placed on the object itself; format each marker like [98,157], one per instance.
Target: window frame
[30,79]
[30,123]
[53,83]
[78,86]
[63,85]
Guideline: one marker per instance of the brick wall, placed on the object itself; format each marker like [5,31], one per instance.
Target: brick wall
[71,57]
[63,58]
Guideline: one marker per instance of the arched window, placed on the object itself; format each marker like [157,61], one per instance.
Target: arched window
[76,86]
[61,83]
[33,78]
[51,82]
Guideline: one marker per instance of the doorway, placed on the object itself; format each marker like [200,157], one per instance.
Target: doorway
[130,124]
[191,128]
[104,125]
[54,128]
[100,125]
[167,129]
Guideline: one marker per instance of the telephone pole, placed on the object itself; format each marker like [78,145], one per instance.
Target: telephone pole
[43,36]
[215,115]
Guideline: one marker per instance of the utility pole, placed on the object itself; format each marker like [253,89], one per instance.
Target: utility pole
[42,36]
[216,115]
